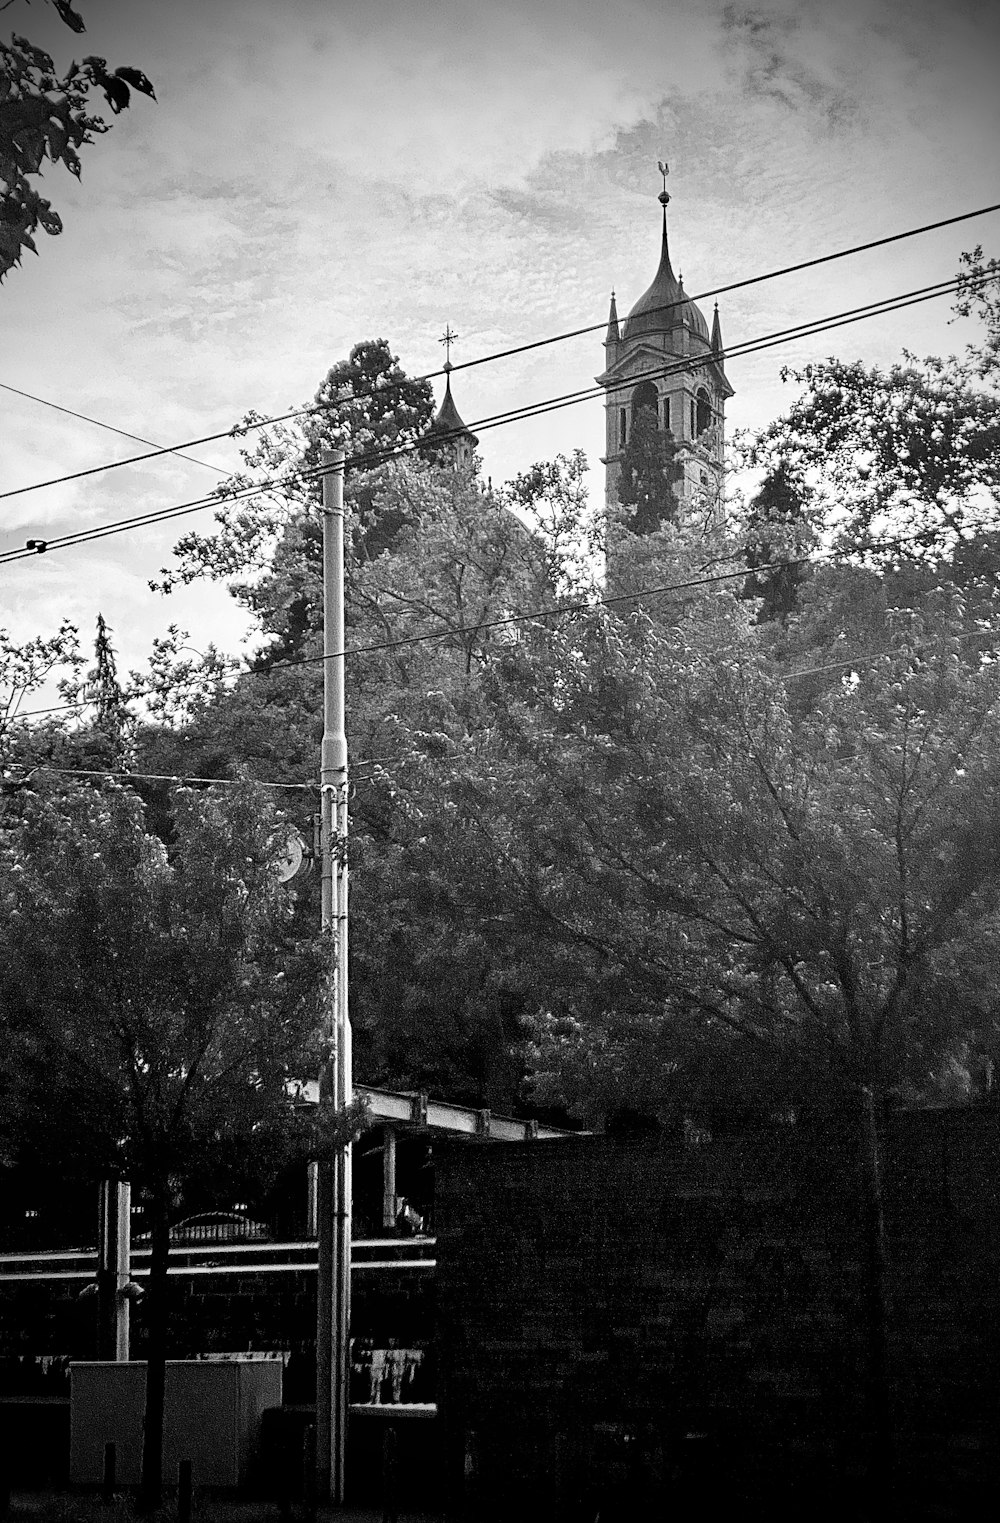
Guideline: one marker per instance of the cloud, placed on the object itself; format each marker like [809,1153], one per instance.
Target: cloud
[768,50]
[318,174]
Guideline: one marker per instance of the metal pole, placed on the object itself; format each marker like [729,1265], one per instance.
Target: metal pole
[114,1268]
[336,1080]
[388,1176]
[312,1226]
[123,1270]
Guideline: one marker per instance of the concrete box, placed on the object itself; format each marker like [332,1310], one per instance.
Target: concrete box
[212,1413]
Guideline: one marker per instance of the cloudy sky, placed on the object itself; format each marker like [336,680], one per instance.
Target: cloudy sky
[322,171]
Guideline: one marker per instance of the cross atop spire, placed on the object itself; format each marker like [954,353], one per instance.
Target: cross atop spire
[447,339]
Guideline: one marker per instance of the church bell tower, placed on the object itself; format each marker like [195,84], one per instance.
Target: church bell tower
[666,371]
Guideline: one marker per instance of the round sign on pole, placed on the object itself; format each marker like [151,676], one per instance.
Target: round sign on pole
[290,859]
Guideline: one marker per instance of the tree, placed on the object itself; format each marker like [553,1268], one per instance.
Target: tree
[650,474]
[705,860]
[899,463]
[366,405]
[979,295]
[889,478]
[45,116]
[431,554]
[459,562]
[553,500]
[732,910]
[159,1005]
[23,670]
[111,716]
[778,529]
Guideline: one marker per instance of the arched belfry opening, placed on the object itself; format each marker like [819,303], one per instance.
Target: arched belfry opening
[645,399]
[664,362]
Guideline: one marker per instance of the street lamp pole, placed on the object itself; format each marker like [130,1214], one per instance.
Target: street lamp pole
[336,1078]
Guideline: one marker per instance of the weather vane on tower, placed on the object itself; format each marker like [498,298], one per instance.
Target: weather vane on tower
[664,169]
[447,339]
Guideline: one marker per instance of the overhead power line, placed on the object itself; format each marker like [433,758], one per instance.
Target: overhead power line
[28,768]
[811,328]
[873,655]
[486,359]
[159,777]
[110,428]
[738,285]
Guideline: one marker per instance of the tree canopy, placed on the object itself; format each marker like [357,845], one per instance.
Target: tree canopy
[177,996]
[159,1006]
[590,841]
[728,903]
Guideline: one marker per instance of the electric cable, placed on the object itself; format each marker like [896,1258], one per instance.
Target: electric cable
[110,427]
[303,412]
[155,777]
[874,655]
[735,285]
[129,776]
[811,328]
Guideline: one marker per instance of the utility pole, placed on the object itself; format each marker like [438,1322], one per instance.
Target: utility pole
[333,1320]
[114,1269]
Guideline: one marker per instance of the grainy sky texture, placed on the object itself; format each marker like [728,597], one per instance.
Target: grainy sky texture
[316,173]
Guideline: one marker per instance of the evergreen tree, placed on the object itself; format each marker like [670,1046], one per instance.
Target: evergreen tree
[650,475]
[111,715]
[778,528]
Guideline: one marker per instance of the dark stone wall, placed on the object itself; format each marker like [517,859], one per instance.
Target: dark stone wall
[626,1321]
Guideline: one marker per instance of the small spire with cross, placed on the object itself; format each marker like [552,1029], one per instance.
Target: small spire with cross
[447,339]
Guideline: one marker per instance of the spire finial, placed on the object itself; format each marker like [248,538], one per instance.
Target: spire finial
[664,195]
[612,335]
[447,339]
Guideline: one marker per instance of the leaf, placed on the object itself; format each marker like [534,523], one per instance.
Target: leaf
[50,220]
[67,14]
[117,93]
[58,138]
[30,149]
[137,79]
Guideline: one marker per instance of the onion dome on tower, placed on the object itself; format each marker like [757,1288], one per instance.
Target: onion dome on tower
[453,442]
[664,362]
[665,305]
